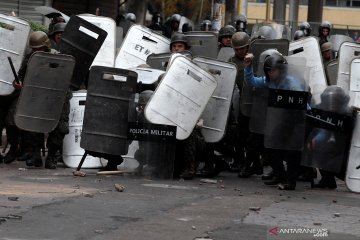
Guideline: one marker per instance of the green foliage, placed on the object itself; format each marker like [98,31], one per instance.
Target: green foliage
[38,27]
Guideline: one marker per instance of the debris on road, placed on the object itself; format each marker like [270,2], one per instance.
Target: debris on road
[119,187]
[204,180]
[79,173]
[254,208]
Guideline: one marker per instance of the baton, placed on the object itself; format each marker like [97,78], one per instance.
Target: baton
[13,70]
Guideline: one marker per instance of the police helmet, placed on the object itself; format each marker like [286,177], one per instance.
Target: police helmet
[206,25]
[326,46]
[275,60]
[228,30]
[130,17]
[157,19]
[239,40]
[179,37]
[187,27]
[266,32]
[324,24]
[39,39]
[144,97]
[240,23]
[299,34]
[175,17]
[306,28]
[59,27]
[334,99]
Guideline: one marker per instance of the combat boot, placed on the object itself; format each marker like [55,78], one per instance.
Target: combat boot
[35,160]
[11,155]
[50,162]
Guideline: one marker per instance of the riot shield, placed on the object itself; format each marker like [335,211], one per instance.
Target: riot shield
[181,96]
[109,95]
[217,110]
[203,44]
[355,82]
[14,34]
[225,53]
[148,77]
[51,12]
[268,30]
[156,148]
[161,61]
[106,55]
[337,39]
[352,178]
[82,40]
[257,121]
[72,152]
[308,48]
[138,44]
[260,45]
[331,70]
[285,116]
[327,144]
[348,51]
[43,94]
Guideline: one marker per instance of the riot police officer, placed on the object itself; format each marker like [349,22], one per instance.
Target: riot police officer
[55,35]
[173,25]
[276,77]
[225,35]
[324,32]
[131,17]
[298,35]
[306,28]
[156,22]
[33,142]
[240,23]
[206,25]
[178,43]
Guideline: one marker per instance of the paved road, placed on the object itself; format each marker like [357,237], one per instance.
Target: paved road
[53,204]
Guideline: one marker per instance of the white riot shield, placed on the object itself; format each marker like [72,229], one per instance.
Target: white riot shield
[352,178]
[225,53]
[14,34]
[161,61]
[106,55]
[72,152]
[348,51]
[203,44]
[181,96]
[217,110]
[147,76]
[138,44]
[337,39]
[309,49]
[331,70]
[355,82]
[42,96]
[268,30]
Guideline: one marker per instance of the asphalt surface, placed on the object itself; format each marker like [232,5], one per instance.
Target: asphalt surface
[54,204]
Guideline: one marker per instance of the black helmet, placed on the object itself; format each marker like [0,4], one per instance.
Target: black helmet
[240,23]
[175,17]
[228,30]
[334,99]
[277,61]
[59,27]
[179,37]
[299,34]
[187,27]
[324,24]
[206,25]
[306,28]
[157,19]
[130,17]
